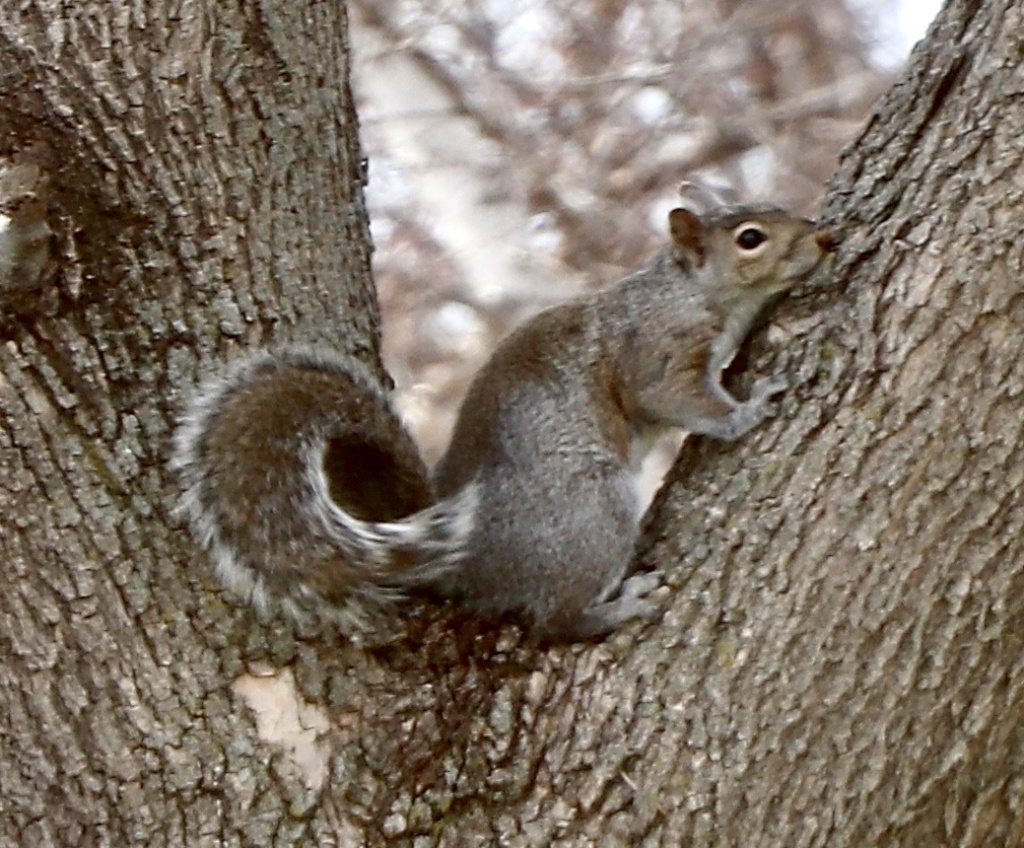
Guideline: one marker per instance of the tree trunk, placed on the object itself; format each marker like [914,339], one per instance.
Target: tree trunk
[851,618]
[839,663]
[204,185]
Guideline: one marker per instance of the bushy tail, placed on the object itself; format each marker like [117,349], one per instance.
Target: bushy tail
[264,495]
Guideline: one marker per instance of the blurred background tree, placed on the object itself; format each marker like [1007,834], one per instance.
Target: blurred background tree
[520,152]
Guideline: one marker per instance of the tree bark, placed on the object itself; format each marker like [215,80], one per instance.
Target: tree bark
[840,660]
[852,614]
[204,184]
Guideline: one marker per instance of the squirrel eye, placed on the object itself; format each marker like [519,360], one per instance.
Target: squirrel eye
[750,237]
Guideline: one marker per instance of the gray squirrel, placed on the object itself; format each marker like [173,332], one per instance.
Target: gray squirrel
[300,480]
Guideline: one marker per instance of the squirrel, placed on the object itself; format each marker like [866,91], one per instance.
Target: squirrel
[299,478]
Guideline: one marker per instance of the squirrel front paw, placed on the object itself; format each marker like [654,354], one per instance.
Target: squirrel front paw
[759,406]
[766,387]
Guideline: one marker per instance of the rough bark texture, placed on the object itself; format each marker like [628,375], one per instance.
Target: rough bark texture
[840,663]
[854,611]
[205,188]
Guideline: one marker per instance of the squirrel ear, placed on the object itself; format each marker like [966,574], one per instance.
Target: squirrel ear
[687,231]
[700,197]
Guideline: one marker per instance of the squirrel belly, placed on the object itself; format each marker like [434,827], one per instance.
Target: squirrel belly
[310,495]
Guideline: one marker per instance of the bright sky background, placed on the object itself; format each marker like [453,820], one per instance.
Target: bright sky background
[912,18]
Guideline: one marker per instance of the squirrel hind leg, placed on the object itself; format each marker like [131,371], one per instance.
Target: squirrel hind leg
[601,617]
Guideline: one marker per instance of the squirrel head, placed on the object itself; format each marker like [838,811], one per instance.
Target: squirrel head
[755,251]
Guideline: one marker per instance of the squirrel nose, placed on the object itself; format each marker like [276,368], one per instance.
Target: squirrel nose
[827,239]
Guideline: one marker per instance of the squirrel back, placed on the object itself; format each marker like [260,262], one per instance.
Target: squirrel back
[303,484]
